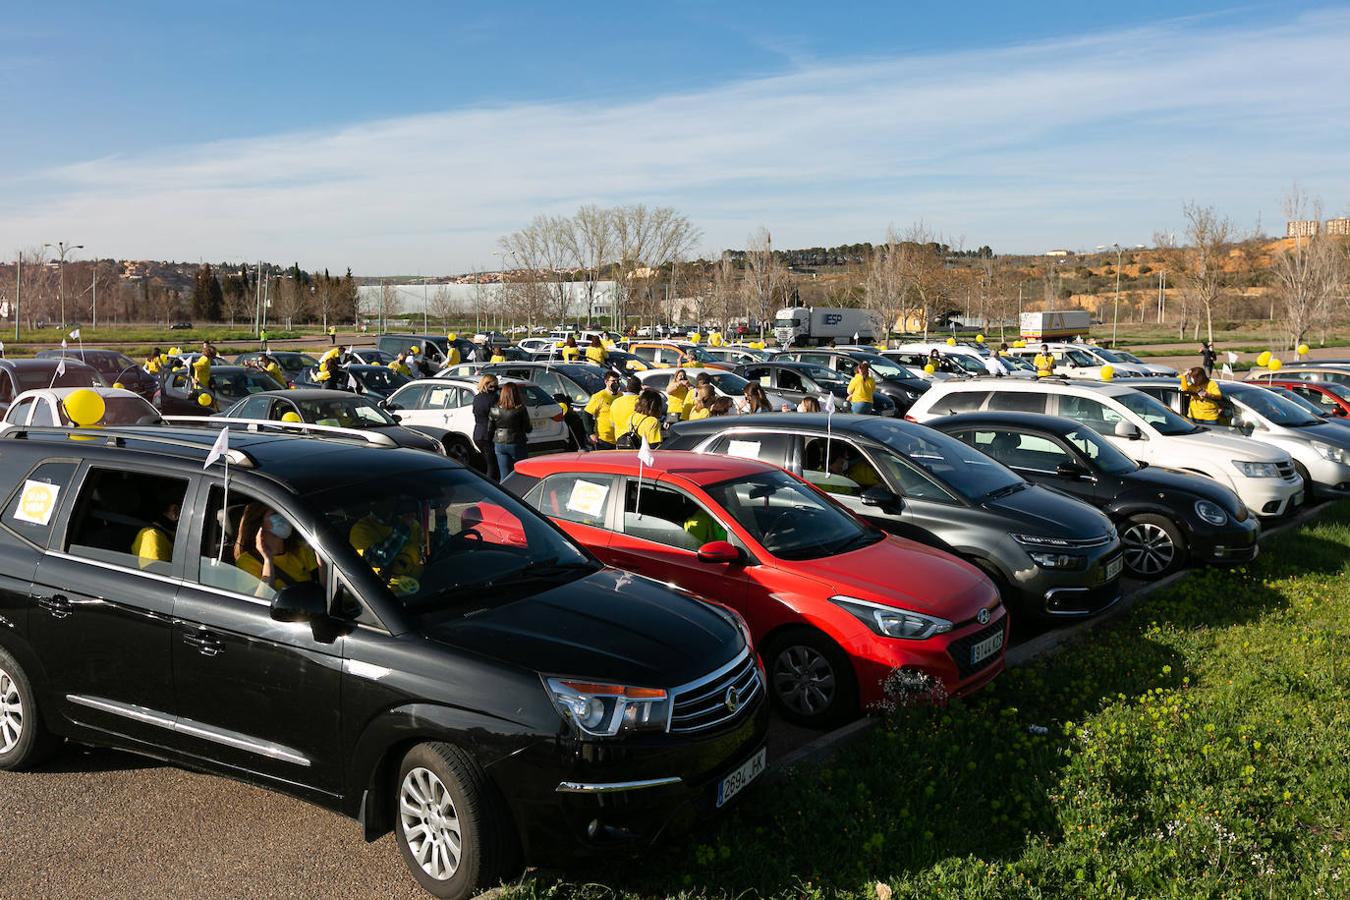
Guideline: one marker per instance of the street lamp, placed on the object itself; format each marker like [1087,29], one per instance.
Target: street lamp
[62,248]
[1115,314]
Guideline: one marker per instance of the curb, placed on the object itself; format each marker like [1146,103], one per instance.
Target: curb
[831,742]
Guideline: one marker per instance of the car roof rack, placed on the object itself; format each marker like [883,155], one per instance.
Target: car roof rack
[263,426]
[109,437]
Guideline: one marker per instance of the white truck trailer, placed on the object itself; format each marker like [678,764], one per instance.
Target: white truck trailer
[1056,325]
[807,326]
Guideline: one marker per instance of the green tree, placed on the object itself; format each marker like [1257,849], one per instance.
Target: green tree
[207,297]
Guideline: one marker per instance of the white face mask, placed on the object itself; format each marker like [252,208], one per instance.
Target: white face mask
[279,527]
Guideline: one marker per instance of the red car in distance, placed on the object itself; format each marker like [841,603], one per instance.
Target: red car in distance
[834,605]
[1331,397]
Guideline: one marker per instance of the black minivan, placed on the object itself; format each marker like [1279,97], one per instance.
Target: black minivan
[376,630]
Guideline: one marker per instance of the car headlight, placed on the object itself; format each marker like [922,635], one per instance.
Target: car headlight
[1257,469]
[1036,540]
[600,709]
[1327,451]
[1055,560]
[891,622]
[1212,513]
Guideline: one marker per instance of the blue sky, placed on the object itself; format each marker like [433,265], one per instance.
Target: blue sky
[408,137]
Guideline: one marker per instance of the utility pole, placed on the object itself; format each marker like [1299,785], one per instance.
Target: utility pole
[62,248]
[1115,315]
[18,291]
[94,288]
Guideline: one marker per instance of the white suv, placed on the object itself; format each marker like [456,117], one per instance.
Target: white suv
[1141,427]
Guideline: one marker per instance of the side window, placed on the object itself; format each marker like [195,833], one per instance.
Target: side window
[820,359]
[549,383]
[6,388]
[575,498]
[250,548]
[1317,397]
[959,402]
[837,466]
[18,413]
[437,397]
[789,380]
[414,397]
[1020,451]
[766,446]
[255,408]
[1092,413]
[127,518]
[31,512]
[760,374]
[667,516]
[1017,401]
[42,414]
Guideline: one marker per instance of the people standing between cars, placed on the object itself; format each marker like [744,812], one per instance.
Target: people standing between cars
[722,406]
[1044,362]
[268,548]
[154,542]
[809,404]
[483,401]
[680,395]
[510,420]
[621,409]
[596,352]
[995,366]
[704,397]
[862,387]
[1204,394]
[400,365]
[154,362]
[570,351]
[201,368]
[754,400]
[273,369]
[646,421]
[598,408]
[498,354]
[1208,357]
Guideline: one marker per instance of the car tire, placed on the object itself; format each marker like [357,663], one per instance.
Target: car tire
[461,451]
[25,741]
[1154,546]
[1309,489]
[453,831]
[811,679]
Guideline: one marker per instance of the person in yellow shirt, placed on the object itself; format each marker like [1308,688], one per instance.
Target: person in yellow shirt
[201,368]
[595,353]
[680,398]
[646,421]
[498,356]
[1044,362]
[268,548]
[154,542]
[861,389]
[1205,407]
[451,354]
[390,544]
[598,408]
[154,362]
[570,351]
[400,365]
[703,528]
[621,407]
[704,397]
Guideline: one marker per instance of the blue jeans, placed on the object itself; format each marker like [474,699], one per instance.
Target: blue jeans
[507,457]
[862,408]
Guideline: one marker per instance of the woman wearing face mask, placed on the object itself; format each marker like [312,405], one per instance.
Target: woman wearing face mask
[268,548]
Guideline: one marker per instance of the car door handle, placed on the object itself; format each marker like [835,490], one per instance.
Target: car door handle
[57,604]
[207,644]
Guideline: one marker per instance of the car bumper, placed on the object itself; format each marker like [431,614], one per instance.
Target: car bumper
[947,659]
[1073,593]
[571,799]
[1231,544]
[1270,497]
[1330,479]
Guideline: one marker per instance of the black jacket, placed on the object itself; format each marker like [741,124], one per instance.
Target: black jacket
[482,405]
[510,425]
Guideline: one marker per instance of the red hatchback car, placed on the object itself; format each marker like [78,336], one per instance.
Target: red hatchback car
[1331,397]
[834,605]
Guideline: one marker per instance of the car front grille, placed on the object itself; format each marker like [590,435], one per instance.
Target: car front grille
[1286,470]
[960,650]
[716,699]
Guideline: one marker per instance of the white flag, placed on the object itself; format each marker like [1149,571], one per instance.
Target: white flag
[1232,357]
[855,337]
[64,345]
[75,335]
[829,406]
[645,454]
[219,448]
[353,383]
[1227,371]
[60,367]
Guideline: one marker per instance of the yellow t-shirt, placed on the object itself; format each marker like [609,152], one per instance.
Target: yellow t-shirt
[371,531]
[401,368]
[277,375]
[860,389]
[154,364]
[294,566]
[696,414]
[201,371]
[452,356]
[152,545]
[702,528]
[863,474]
[1204,407]
[329,354]
[596,355]
[571,354]
[1045,364]
[599,407]
[621,413]
[680,401]
[497,358]
[648,427]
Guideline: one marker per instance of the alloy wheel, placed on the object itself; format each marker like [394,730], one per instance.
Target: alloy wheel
[1148,548]
[430,823]
[11,713]
[804,680]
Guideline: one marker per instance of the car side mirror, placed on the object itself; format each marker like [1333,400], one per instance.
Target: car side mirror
[882,499]
[299,603]
[396,417]
[1338,411]
[1128,430]
[719,552]
[1070,470]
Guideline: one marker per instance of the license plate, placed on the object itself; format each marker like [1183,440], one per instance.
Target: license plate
[986,648]
[736,782]
[1114,566]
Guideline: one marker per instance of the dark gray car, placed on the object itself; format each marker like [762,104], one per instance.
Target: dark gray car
[336,409]
[1052,556]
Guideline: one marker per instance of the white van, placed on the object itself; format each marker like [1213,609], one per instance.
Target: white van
[1141,427]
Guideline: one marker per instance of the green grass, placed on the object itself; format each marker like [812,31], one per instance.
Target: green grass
[1198,748]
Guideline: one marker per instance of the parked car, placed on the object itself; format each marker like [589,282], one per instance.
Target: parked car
[1051,556]
[738,356]
[181,326]
[1320,450]
[814,583]
[900,385]
[376,382]
[1332,397]
[433,347]
[46,407]
[292,362]
[676,354]
[1118,357]
[112,366]
[335,409]
[1321,371]
[372,356]
[794,381]
[19,375]
[949,365]
[1303,402]
[1165,519]
[726,384]
[176,396]
[491,694]
[1080,361]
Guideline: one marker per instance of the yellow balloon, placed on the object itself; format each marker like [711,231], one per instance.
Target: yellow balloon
[979,339]
[929,368]
[451,336]
[414,350]
[695,337]
[1302,349]
[204,399]
[291,417]
[1274,365]
[85,407]
[119,386]
[951,342]
[1108,372]
[1264,358]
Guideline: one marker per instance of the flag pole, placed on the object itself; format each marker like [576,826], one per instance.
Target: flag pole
[225,511]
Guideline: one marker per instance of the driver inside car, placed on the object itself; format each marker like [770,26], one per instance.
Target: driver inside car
[391,543]
[269,549]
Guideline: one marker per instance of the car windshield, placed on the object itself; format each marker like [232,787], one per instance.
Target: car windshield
[447,542]
[1017,362]
[883,367]
[821,374]
[1080,357]
[295,362]
[382,379]
[701,355]
[959,467]
[120,411]
[109,365]
[966,362]
[1303,402]
[344,412]
[590,381]
[789,519]
[1275,409]
[1155,414]
[1103,454]
[238,384]
[727,382]
[73,376]
[785,323]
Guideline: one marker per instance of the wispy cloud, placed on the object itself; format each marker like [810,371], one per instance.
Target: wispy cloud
[1073,143]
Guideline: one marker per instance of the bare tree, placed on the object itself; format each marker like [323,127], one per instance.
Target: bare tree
[646,239]
[724,290]
[1209,239]
[885,285]
[592,236]
[1306,273]
[440,306]
[765,280]
[545,252]
[923,271]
